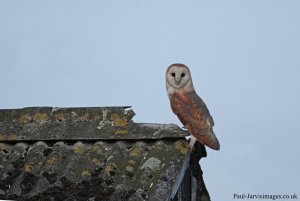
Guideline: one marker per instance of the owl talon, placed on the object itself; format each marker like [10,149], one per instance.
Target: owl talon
[192,142]
[191,147]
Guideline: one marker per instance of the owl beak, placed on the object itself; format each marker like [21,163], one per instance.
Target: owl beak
[177,79]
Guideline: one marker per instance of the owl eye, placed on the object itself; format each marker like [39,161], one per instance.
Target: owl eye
[182,74]
[173,74]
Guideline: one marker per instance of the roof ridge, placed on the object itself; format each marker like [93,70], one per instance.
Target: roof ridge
[80,123]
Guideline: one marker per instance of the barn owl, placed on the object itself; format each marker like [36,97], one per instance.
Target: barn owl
[189,107]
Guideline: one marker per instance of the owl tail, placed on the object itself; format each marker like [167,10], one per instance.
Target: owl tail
[209,140]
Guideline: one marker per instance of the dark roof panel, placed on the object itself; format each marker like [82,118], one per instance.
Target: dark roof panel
[101,170]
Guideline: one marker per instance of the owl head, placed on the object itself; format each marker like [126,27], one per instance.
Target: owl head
[178,77]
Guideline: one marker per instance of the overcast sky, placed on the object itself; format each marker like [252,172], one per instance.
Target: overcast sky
[244,57]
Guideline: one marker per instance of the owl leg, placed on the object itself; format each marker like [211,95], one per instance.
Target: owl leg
[192,142]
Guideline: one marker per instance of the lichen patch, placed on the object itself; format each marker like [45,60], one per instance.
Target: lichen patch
[118,121]
[28,168]
[85,173]
[79,148]
[95,161]
[181,147]
[135,152]
[25,119]
[152,163]
[52,160]
[40,118]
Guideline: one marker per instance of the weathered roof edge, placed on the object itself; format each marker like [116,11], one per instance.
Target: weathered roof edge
[82,123]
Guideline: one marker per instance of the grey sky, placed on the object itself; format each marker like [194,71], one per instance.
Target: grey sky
[243,55]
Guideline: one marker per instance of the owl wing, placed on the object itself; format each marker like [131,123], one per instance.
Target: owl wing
[195,116]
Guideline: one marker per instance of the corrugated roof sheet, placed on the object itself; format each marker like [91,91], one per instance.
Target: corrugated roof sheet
[121,170]
[88,154]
